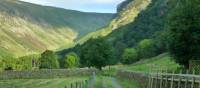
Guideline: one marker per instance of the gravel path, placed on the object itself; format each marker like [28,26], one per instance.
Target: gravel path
[92,81]
[115,83]
[105,82]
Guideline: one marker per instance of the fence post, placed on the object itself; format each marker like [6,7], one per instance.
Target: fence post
[152,79]
[186,80]
[79,85]
[71,85]
[76,85]
[166,79]
[193,79]
[172,80]
[149,82]
[156,80]
[161,79]
[86,84]
[199,84]
[83,84]
[180,79]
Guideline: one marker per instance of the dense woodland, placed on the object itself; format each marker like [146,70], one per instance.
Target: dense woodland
[165,26]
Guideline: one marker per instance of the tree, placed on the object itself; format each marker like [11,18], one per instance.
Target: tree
[161,40]
[119,48]
[97,53]
[129,56]
[146,48]
[49,60]
[184,29]
[71,60]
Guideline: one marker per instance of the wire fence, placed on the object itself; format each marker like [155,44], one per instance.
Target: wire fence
[195,65]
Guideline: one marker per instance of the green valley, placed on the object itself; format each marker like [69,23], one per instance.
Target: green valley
[145,44]
[27,28]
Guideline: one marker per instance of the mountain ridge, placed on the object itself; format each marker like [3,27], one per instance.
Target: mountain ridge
[127,14]
[27,28]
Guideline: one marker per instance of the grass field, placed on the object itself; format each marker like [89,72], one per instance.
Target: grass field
[112,82]
[128,83]
[160,62]
[40,83]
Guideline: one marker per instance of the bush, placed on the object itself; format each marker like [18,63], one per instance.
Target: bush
[146,48]
[129,56]
[71,60]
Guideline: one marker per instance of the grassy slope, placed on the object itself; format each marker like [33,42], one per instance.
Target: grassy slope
[127,15]
[28,28]
[40,83]
[160,62]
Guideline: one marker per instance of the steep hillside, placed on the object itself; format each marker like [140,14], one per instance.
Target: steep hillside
[28,28]
[135,21]
[146,25]
[127,12]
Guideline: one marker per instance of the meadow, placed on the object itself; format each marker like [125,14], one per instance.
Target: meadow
[40,83]
[157,63]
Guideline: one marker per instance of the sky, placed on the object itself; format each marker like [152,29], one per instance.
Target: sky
[101,6]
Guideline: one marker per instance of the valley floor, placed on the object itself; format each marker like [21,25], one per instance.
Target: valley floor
[112,82]
[102,80]
[40,83]
[97,82]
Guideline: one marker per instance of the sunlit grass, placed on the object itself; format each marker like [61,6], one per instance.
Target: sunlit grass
[160,62]
[40,83]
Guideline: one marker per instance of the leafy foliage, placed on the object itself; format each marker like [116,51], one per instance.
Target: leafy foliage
[49,60]
[22,63]
[146,48]
[129,56]
[146,33]
[184,30]
[97,53]
[71,60]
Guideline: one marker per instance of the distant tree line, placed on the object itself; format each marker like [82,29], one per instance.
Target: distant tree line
[47,60]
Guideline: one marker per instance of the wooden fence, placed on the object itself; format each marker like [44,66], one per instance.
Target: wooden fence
[163,80]
[79,84]
[171,80]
